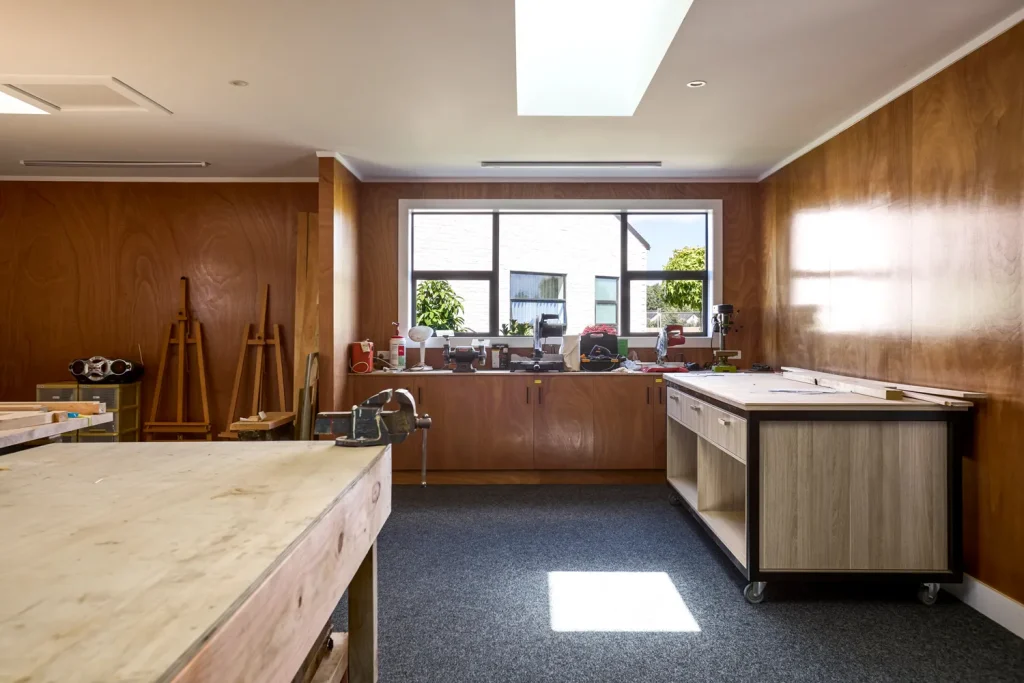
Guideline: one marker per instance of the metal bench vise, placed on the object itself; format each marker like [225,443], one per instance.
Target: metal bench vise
[368,424]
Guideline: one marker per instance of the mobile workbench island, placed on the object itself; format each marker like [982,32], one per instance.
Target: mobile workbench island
[190,562]
[802,483]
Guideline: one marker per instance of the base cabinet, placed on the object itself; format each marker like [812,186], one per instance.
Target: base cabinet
[523,422]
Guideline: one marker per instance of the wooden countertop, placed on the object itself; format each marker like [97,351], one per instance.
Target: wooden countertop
[449,373]
[13,437]
[766,391]
[120,560]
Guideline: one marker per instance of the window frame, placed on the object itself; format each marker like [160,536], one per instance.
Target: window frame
[711,277]
[615,301]
[565,291]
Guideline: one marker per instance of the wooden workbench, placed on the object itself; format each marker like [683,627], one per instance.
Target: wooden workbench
[801,482]
[186,561]
[14,437]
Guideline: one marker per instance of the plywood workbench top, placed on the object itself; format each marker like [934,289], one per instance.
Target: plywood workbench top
[488,371]
[120,559]
[766,391]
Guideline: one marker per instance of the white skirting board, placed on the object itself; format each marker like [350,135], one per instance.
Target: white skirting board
[1000,608]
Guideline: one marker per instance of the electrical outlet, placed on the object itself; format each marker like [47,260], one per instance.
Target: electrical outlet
[383,355]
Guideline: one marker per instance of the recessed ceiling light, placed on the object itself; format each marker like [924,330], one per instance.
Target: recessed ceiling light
[590,57]
[696,84]
[12,105]
[239,84]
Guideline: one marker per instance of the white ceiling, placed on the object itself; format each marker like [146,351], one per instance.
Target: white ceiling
[418,88]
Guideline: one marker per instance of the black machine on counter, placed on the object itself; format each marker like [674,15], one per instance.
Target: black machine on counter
[599,352]
[544,325]
[368,424]
[463,356]
[105,370]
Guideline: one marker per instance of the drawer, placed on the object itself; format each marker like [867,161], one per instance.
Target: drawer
[725,430]
[114,396]
[693,413]
[85,437]
[57,393]
[674,406]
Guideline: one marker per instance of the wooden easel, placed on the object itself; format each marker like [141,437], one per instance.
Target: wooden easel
[260,341]
[184,333]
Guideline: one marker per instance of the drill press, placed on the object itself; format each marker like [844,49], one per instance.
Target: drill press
[722,323]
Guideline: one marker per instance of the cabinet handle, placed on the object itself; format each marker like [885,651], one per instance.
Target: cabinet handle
[527,395]
[661,401]
[696,409]
[673,397]
[725,423]
[540,395]
[648,396]
[419,394]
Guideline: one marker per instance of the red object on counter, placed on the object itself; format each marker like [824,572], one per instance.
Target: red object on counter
[361,357]
[661,368]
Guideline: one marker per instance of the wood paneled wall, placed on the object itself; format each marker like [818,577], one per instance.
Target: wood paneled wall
[93,268]
[378,244]
[896,251]
[339,277]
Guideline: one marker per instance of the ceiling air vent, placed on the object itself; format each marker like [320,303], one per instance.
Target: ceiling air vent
[72,94]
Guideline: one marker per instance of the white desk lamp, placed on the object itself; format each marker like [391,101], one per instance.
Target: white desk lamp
[421,333]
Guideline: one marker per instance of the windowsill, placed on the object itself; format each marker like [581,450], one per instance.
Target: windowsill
[527,342]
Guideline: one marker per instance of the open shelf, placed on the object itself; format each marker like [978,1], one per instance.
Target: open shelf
[686,487]
[731,528]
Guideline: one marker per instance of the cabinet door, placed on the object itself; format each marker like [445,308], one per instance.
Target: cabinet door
[481,422]
[563,422]
[623,438]
[659,427]
[406,455]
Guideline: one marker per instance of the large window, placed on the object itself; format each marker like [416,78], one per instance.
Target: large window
[490,273]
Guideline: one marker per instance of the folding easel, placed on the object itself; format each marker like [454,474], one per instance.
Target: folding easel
[184,333]
[260,341]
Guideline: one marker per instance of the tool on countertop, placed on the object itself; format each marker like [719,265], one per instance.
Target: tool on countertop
[105,370]
[368,424]
[420,334]
[500,356]
[544,325]
[669,337]
[599,349]
[722,323]
[464,356]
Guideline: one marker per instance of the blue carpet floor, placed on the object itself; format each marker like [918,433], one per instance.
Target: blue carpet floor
[463,589]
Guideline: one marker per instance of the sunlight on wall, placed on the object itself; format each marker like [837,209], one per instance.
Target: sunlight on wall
[617,602]
[846,267]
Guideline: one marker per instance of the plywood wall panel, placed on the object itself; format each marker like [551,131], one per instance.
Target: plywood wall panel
[895,251]
[378,244]
[93,268]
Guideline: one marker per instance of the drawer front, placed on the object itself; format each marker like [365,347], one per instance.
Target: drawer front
[693,413]
[125,420]
[97,438]
[114,396]
[674,407]
[57,394]
[725,430]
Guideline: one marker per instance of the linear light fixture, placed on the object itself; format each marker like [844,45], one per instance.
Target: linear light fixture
[570,164]
[12,105]
[58,163]
[590,57]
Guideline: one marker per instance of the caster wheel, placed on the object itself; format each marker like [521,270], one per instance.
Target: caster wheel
[754,592]
[928,594]
[674,499]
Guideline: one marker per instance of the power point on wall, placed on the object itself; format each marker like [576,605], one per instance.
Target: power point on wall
[382,355]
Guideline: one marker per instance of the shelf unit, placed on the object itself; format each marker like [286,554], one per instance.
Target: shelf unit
[122,400]
[712,485]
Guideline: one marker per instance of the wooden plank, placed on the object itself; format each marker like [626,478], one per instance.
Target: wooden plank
[80,407]
[886,393]
[14,437]
[21,419]
[238,375]
[950,393]
[220,562]
[306,301]
[939,400]
[363,666]
[272,421]
[261,335]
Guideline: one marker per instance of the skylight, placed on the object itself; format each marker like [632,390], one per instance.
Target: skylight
[590,57]
[12,105]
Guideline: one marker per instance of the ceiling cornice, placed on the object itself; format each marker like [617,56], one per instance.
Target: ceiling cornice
[343,161]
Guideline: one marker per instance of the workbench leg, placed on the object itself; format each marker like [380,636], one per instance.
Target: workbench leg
[362,621]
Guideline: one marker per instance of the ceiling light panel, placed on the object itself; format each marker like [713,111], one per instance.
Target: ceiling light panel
[12,105]
[590,57]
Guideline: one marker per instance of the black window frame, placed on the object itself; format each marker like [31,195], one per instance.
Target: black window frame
[625,279]
[614,302]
